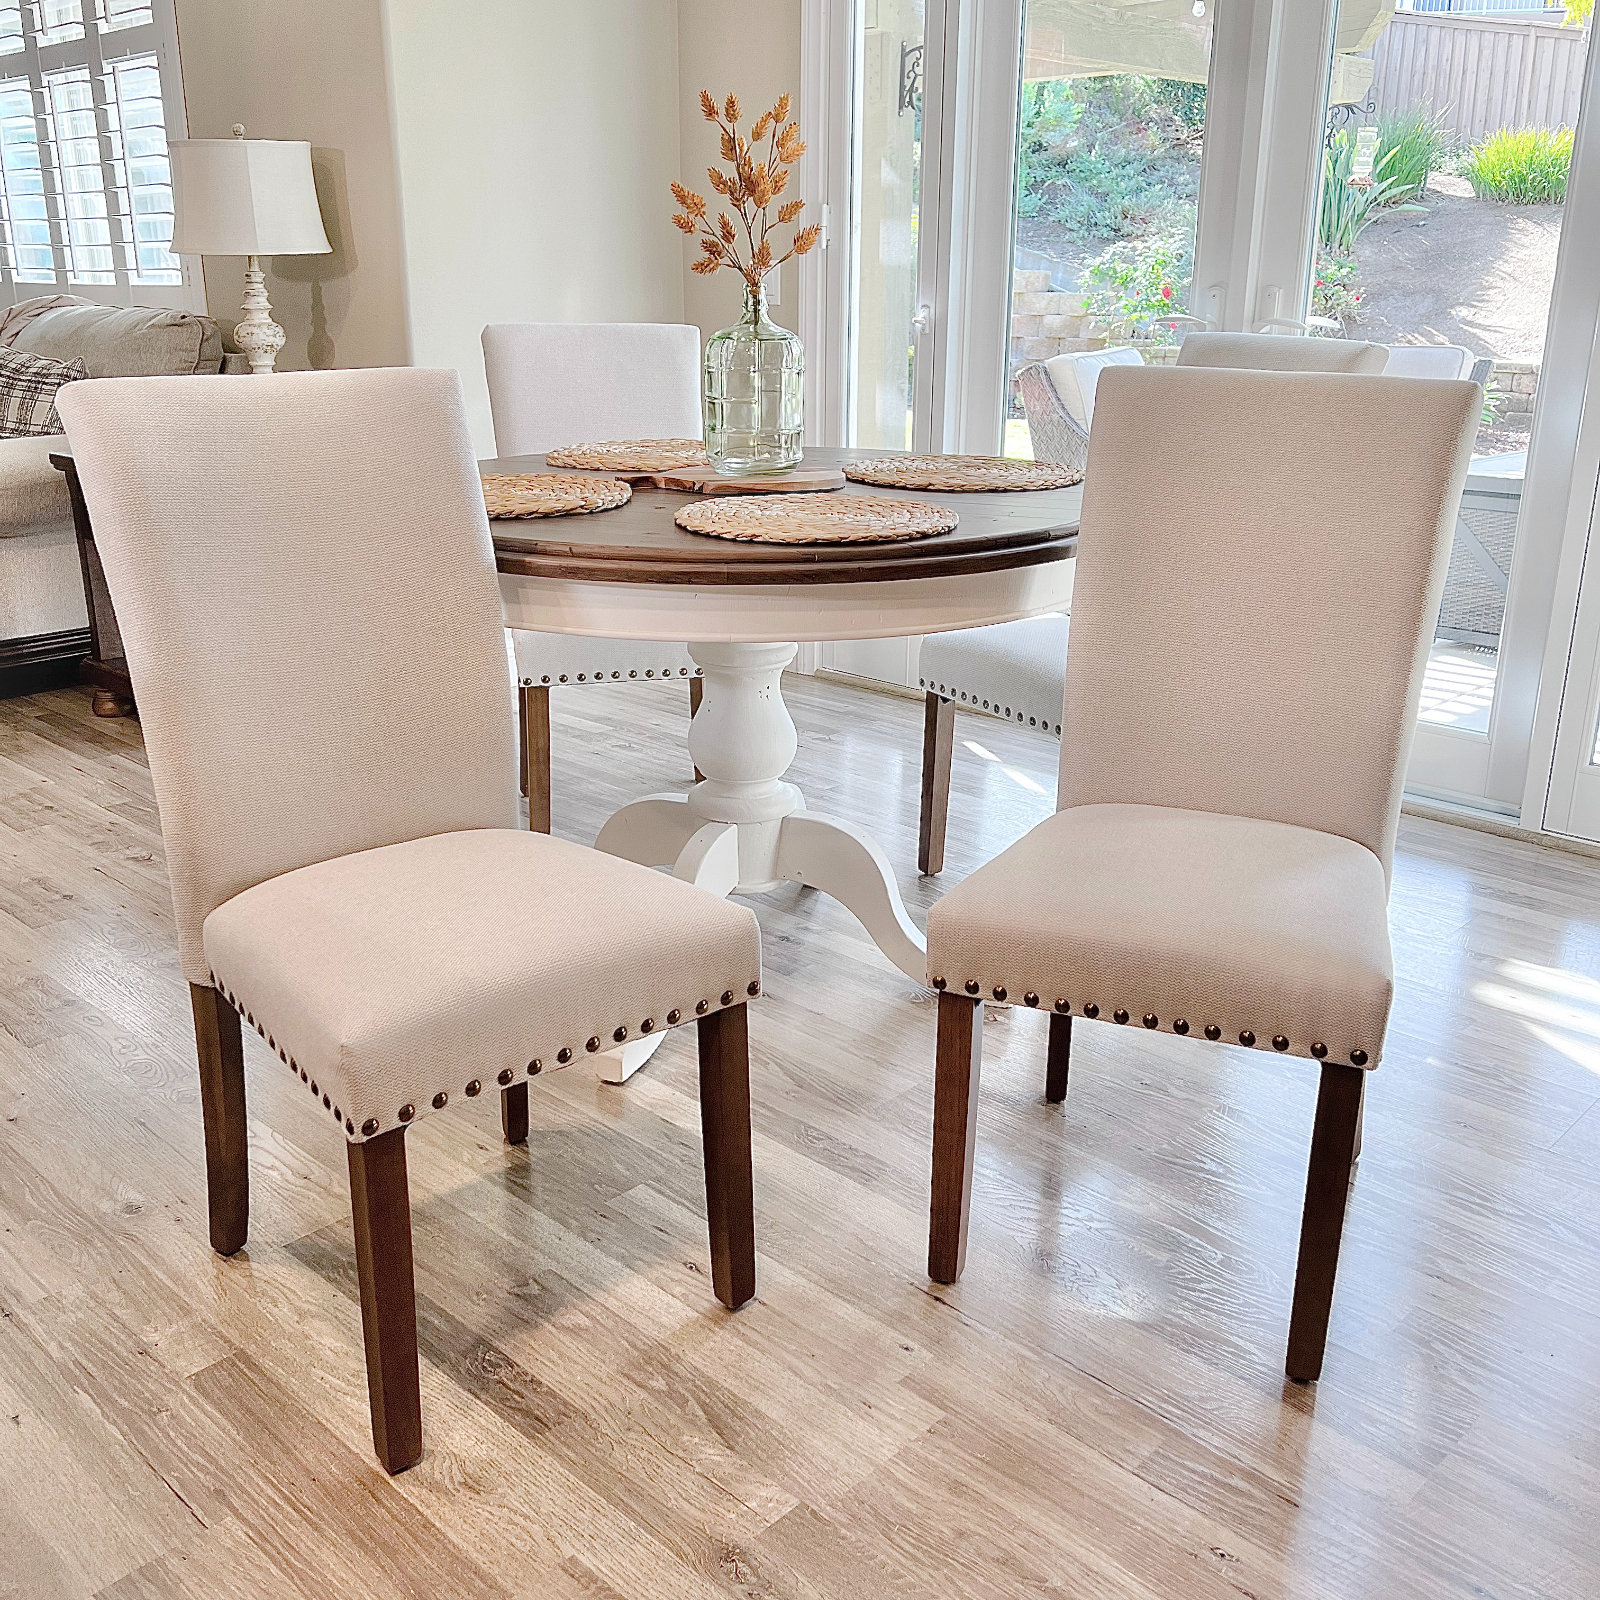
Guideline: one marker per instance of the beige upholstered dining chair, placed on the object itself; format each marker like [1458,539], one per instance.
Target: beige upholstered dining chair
[564,383]
[1015,670]
[1240,694]
[347,869]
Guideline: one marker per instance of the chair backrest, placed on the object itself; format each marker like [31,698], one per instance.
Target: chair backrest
[1275,352]
[1254,601]
[1073,377]
[1428,361]
[303,576]
[560,383]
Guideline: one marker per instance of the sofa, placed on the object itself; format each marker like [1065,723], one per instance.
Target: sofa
[43,623]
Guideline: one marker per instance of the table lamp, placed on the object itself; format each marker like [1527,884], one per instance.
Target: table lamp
[250,198]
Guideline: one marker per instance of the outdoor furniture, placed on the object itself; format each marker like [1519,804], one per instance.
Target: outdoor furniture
[554,384]
[1219,862]
[1058,400]
[340,817]
[1474,606]
[1277,352]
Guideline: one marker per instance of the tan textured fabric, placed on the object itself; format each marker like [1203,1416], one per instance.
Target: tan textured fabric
[567,658]
[1247,927]
[1253,601]
[265,543]
[398,975]
[1267,352]
[116,341]
[32,492]
[1013,669]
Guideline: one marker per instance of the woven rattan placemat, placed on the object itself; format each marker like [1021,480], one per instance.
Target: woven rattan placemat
[962,474]
[631,455]
[551,494]
[815,519]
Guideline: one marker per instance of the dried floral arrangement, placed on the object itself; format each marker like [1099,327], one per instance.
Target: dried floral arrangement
[753,182]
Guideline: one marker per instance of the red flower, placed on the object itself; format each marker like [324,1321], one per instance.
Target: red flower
[1166,291]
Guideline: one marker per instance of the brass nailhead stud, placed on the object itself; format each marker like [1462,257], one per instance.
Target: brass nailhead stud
[592,1044]
[701,1007]
[1119,1015]
[314,1088]
[474,1089]
[727,997]
[1091,1010]
[440,1100]
[649,1023]
[563,1055]
[999,991]
[369,1127]
[619,1034]
[350,1128]
[753,988]
[505,1075]
[327,1100]
[672,1017]
[973,986]
[1247,1038]
[407,1112]
[1279,1042]
[633,674]
[535,1067]
[1063,1006]
[938,983]
[1213,1031]
[1358,1058]
[1151,1020]
[1030,998]
[1180,1026]
[1319,1050]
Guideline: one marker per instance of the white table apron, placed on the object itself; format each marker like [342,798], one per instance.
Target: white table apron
[744,828]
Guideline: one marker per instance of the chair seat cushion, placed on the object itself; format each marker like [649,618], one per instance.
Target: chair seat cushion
[556,658]
[1014,669]
[32,492]
[395,979]
[1259,930]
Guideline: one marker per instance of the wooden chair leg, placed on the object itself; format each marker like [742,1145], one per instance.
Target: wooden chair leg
[534,706]
[725,1125]
[697,693]
[955,1126]
[220,1047]
[381,1204]
[514,1113]
[1059,1059]
[938,734]
[1333,1148]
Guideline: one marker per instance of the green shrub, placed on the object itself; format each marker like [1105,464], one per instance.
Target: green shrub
[1336,292]
[1131,285]
[1410,147]
[1523,166]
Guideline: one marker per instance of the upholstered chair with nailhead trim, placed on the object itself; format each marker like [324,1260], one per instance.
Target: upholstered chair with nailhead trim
[348,873]
[1240,694]
[1015,670]
[559,383]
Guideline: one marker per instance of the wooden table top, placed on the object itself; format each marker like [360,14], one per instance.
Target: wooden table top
[640,543]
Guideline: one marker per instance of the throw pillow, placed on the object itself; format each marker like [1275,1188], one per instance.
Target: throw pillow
[28,387]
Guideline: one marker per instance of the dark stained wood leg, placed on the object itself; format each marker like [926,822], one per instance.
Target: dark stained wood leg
[380,1202]
[938,735]
[1055,1072]
[514,1113]
[1333,1145]
[534,704]
[955,1127]
[697,693]
[725,1124]
[107,704]
[220,1047]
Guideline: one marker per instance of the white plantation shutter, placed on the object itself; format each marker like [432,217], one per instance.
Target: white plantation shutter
[87,89]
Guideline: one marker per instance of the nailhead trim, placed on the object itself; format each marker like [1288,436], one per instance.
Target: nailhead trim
[973,700]
[1151,1020]
[973,986]
[1064,1006]
[535,1067]
[440,1100]
[938,983]
[406,1112]
[1213,1031]
[701,1007]
[727,997]
[369,1127]
[1319,1050]
[563,1055]
[753,988]
[474,1089]
[504,1077]
[672,1020]
[1030,998]
[1119,1015]
[649,1023]
[1358,1058]
[1247,1038]
[592,1043]
[1180,1026]
[619,1034]
[999,991]
[1091,1010]
[1279,1042]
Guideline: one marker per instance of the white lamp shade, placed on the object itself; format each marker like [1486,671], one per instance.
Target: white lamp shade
[245,197]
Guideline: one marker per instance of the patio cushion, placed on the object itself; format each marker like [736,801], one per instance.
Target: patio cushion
[1266,352]
[32,492]
[556,658]
[396,975]
[1074,376]
[1249,927]
[1014,669]
[1428,361]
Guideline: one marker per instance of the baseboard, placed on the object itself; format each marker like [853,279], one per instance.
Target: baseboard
[41,661]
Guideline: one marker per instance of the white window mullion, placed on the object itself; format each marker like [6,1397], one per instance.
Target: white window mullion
[55,212]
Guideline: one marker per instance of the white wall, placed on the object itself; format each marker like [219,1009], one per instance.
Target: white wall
[535,142]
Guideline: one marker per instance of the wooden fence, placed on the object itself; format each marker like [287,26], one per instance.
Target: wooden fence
[1480,73]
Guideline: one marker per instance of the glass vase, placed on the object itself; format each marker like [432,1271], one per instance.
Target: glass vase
[753,404]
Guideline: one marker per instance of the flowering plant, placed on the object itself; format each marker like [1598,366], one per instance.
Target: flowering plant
[751,184]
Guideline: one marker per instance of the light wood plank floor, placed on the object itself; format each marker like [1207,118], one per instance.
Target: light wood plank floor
[1097,1410]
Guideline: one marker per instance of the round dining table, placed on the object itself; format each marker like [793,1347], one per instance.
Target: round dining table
[741,607]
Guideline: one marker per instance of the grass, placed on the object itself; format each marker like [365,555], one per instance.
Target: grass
[1410,146]
[1348,207]
[1521,166]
